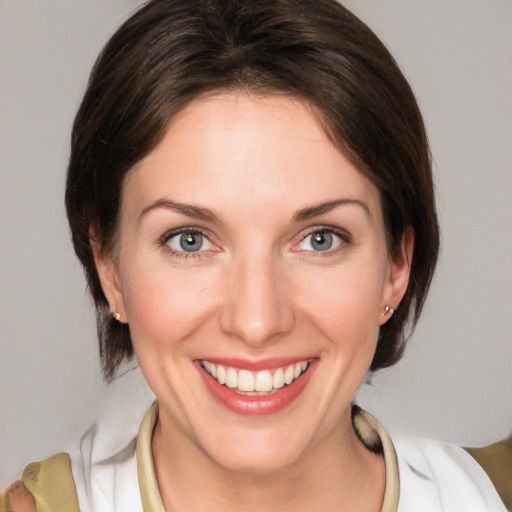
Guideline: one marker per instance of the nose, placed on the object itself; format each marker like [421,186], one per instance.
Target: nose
[258,308]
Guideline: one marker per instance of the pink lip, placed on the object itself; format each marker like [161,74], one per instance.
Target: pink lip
[257,365]
[256,405]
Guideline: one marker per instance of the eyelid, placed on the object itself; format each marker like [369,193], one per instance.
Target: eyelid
[178,231]
[342,234]
[163,241]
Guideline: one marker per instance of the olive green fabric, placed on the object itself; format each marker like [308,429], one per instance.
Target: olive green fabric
[149,492]
[496,459]
[51,484]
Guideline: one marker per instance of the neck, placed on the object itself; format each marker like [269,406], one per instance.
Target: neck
[338,473]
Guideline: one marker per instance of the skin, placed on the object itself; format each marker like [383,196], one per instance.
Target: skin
[20,500]
[256,289]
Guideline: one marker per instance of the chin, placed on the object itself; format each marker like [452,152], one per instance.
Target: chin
[257,456]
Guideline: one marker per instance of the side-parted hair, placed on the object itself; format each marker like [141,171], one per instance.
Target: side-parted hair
[172,51]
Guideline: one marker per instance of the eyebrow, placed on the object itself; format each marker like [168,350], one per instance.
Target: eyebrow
[201,213]
[314,211]
[195,212]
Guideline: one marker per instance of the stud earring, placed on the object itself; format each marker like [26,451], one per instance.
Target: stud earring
[116,315]
[388,310]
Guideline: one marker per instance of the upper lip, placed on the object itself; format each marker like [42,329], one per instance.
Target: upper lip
[257,364]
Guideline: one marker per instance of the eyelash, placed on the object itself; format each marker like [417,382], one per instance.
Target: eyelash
[164,242]
[343,236]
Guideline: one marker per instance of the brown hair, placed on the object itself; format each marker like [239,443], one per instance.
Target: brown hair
[171,51]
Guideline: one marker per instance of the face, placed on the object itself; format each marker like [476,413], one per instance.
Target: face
[253,271]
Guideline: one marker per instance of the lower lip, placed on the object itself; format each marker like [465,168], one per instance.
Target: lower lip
[256,405]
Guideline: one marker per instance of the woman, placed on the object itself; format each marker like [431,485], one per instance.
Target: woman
[250,195]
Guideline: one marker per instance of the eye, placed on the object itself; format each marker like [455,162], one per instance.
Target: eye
[320,241]
[188,241]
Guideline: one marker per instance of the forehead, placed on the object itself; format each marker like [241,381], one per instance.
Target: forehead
[259,150]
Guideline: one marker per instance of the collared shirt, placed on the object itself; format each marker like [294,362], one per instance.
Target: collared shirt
[112,466]
[422,475]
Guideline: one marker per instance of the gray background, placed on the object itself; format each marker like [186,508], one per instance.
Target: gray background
[455,381]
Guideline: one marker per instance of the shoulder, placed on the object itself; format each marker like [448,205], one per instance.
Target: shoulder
[496,460]
[17,498]
[436,475]
[45,486]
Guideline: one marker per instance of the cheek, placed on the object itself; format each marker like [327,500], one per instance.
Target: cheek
[343,299]
[164,307]
[345,310]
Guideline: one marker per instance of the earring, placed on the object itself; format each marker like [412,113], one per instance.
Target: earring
[388,310]
[116,315]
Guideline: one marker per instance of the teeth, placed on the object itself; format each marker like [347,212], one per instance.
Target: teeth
[231,378]
[263,381]
[278,379]
[221,374]
[246,381]
[289,374]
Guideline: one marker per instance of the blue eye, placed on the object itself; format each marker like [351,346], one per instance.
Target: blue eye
[189,241]
[320,241]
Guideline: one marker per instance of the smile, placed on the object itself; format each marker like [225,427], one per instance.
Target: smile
[256,389]
[255,383]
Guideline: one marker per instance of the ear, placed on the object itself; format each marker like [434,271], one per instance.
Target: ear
[109,276]
[398,276]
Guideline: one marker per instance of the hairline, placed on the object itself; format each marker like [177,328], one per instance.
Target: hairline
[261,91]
